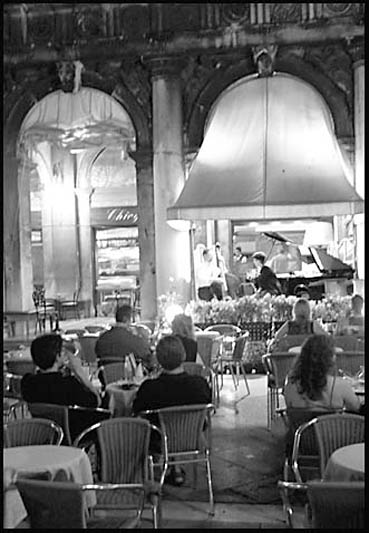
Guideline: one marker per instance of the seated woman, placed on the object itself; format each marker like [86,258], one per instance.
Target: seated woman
[182,327]
[301,324]
[312,382]
[354,322]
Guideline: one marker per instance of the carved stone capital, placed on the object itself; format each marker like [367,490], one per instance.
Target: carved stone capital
[165,66]
[355,48]
[264,57]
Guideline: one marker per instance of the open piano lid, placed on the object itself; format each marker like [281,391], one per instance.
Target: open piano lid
[328,264]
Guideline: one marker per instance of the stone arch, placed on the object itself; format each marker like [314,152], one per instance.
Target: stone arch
[333,96]
[17,106]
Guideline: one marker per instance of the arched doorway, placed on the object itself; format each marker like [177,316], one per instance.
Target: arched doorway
[62,139]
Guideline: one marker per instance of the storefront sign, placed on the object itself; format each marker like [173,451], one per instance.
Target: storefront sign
[114,216]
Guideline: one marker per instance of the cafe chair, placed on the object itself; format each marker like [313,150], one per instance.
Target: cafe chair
[19,366]
[87,344]
[122,446]
[235,361]
[30,431]
[72,305]
[305,452]
[349,363]
[289,341]
[72,419]
[331,504]
[332,431]
[61,505]
[14,409]
[277,366]
[186,431]
[335,431]
[349,343]
[229,331]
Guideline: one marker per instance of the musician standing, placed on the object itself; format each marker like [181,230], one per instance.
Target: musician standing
[266,281]
[280,263]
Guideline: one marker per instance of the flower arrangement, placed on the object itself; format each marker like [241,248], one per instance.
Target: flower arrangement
[266,309]
[331,309]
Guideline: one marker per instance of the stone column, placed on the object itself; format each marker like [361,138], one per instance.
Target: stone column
[146,232]
[172,247]
[18,278]
[357,54]
[86,257]
[59,227]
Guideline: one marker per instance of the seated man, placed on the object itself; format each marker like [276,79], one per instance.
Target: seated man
[173,386]
[50,384]
[121,340]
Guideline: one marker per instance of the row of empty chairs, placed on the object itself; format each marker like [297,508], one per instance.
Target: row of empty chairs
[119,448]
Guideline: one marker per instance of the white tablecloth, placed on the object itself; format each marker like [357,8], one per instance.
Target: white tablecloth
[61,462]
[346,464]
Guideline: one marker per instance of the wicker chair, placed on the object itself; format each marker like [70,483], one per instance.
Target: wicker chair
[289,341]
[122,445]
[185,440]
[332,505]
[227,330]
[70,305]
[235,362]
[277,366]
[20,367]
[30,431]
[350,362]
[332,431]
[87,344]
[111,372]
[71,418]
[306,453]
[61,505]
[14,409]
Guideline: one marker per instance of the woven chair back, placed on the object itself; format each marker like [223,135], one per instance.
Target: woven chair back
[281,364]
[87,343]
[337,505]
[124,446]
[183,427]
[57,413]
[32,431]
[350,362]
[53,505]
[335,431]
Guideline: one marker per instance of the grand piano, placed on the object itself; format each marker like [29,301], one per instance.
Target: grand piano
[322,273]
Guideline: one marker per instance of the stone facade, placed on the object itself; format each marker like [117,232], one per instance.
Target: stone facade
[205,48]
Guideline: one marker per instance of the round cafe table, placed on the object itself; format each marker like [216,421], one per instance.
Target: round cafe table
[346,464]
[63,463]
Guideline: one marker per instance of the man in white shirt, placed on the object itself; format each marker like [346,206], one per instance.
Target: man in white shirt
[208,282]
[280,263]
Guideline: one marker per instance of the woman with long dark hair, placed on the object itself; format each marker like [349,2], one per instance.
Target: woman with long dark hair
[312,381]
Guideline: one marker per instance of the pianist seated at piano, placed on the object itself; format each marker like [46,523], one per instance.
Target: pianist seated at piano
[301,323]
[353,323]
